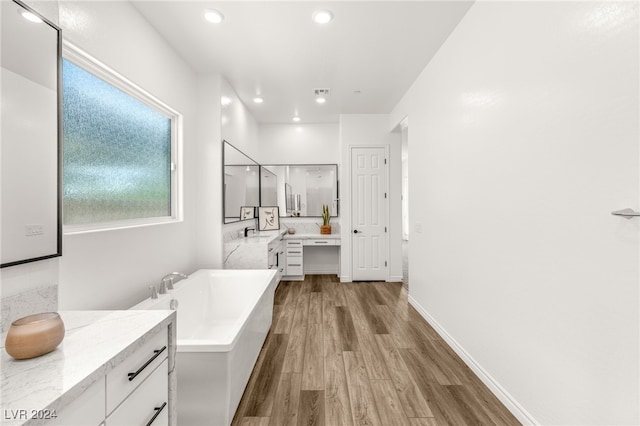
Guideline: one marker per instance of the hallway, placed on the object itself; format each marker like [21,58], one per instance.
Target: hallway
[358,353]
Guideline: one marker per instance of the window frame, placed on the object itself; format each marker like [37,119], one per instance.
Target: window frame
[78,57]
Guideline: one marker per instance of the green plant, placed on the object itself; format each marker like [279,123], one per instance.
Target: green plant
[325,215]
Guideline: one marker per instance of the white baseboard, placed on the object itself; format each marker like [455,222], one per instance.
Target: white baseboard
[345,279]
[512,405]
[395,279]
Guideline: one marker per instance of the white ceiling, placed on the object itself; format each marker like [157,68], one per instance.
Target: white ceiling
[274,49]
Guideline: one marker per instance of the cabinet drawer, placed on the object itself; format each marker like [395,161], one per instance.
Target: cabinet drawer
[294,243]
[294,268]
[149,400]
[320,242]
[294,251]
[143,361]
[87,409]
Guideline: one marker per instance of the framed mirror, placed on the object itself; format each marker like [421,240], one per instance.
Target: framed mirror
[241,183]
[30,64]
[302,189]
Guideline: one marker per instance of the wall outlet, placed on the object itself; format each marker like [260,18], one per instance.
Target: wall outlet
[33,230]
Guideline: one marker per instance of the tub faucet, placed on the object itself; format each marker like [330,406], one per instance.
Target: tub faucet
[246,231]
[154,292]
[166,283]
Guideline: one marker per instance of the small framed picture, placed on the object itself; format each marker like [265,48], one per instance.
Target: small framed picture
[247,212]
[268,218]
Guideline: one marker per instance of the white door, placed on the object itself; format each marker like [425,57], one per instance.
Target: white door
[368,214]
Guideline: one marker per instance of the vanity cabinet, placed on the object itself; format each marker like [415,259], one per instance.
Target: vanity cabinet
[277,255]
[87,409]
[112,369]
[294,258]
[134,393]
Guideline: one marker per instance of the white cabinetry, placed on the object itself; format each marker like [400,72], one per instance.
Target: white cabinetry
[134,393]
[294,259]
[277,257]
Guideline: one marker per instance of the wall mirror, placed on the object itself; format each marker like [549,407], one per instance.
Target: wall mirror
[302,189]
[30,136]
[241,182]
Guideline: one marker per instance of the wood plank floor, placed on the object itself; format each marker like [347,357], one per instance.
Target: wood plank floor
[359,354]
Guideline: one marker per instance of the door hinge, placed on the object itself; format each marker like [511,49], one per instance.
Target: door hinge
[385,229]
[385,263]
[385,195]
[385,161]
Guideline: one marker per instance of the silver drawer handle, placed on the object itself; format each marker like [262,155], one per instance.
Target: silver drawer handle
[626,213]
[293,264]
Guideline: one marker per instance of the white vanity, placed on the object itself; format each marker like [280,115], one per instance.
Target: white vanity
[113,368]
[293,255]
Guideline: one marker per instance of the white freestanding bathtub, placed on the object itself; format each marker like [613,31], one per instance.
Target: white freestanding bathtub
[223,319]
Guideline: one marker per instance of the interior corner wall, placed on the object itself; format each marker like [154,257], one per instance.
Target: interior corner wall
[524,134]
[370,130]
[112,269]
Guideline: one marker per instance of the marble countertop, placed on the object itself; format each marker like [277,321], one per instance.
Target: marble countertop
[95,342]
[318,236]
[262,237]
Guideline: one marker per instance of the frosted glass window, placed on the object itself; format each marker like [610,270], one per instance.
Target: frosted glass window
[117,153]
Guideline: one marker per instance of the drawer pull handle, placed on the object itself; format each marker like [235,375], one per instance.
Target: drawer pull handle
[321,242]
[158,411]
[157,353]
[293,251]
[294,264]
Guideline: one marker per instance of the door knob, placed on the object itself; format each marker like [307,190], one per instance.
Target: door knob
[355,231]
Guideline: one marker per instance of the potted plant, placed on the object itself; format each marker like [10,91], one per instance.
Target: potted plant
[326,227]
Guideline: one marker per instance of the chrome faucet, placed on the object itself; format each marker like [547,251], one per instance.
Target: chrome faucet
[154,292]
[166,283]
[246,231]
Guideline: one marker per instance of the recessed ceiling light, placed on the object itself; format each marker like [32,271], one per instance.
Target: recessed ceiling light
[296,119]
[322,16]
[258,100]
[213,16]
[224,101]
[320,100]
[30,16]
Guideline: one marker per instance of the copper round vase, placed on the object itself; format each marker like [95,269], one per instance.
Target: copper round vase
[34,335]
[325,229]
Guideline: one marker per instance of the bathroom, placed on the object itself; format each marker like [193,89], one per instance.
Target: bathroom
[485,222]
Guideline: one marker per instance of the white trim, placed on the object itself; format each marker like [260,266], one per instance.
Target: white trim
[509,402]
[394,278]
[345,279]
[89,63]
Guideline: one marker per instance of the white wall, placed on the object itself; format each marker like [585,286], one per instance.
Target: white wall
[208,233]
[299,144]
[524,137]
[239,127]
[112,269]
[371,130]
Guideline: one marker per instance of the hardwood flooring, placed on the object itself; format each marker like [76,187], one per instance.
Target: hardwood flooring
[350,354]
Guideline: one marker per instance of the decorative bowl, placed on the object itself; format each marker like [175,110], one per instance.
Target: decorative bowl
[291,230]
[34,335]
